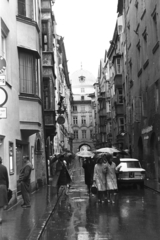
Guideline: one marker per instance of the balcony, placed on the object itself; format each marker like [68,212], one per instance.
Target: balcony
[119,109]
[118,81]
[30,113]
[49,118]
[108,115]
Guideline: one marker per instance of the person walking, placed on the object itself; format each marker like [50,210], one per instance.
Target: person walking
[4,185]
[24,180]
[99,178]
[88,165]
[62,173]
[111,179]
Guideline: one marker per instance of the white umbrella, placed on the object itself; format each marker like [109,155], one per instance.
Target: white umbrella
[108,150]
[85,154]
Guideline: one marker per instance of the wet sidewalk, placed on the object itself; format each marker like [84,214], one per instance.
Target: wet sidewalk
[21,224]
[28,224]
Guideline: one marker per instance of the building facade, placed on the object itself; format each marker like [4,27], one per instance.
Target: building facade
[22,132]
[64,136]
[142,33]
[82,115]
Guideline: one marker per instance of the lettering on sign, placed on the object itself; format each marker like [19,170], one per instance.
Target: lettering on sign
[2,81]
[147,130]
[3,112]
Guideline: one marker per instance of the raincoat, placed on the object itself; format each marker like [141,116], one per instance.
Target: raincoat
[99,177]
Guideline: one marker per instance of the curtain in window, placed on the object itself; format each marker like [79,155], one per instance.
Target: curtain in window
[27,73]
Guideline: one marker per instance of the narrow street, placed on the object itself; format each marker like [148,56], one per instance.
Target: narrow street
[135,215]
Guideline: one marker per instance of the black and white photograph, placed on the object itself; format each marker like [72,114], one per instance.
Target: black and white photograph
[79,120]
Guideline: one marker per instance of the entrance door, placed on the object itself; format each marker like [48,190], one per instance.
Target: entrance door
[21,150]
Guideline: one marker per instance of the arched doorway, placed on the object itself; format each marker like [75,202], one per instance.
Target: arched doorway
[140,151]
[154,156]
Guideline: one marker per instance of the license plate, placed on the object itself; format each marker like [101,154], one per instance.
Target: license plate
[131,175]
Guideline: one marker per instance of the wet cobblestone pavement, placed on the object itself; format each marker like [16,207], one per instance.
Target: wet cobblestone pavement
[134,216]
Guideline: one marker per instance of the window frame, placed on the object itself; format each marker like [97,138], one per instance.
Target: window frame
[75,134]
[75,120]
[32,83]
[84,134]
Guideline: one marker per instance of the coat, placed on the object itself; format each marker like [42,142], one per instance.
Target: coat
[99,177]
[88,166]
[61,176]
[111,178]
[4,185]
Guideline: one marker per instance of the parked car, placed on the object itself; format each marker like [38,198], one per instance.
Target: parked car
[130,172]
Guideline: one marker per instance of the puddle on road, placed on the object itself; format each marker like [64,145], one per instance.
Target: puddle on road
[79,199]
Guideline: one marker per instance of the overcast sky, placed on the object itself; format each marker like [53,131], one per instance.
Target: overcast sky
[87,27]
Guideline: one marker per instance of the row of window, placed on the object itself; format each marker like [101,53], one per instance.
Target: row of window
[83,108]
[84,134]
[83,120]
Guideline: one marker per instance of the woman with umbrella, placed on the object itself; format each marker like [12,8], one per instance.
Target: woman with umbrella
[111,179]
[99,178]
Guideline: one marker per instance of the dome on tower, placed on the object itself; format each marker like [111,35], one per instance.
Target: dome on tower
[82,77]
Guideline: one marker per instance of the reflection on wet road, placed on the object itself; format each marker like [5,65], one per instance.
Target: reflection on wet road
[134,216]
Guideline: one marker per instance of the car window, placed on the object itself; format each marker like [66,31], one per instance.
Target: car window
[130,164]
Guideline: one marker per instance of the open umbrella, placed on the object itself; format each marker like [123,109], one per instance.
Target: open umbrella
[107,150]
[85,154]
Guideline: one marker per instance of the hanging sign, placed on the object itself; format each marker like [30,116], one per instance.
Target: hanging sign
[60,120]
[3,96]
[2,65]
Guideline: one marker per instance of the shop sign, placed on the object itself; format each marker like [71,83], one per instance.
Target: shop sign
[2,65]
[147,130]
[3,96]
[60,120]
[2,81]
[3,112]
[146,137]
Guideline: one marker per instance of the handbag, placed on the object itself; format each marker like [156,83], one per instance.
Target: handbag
[9,194]
[94,189]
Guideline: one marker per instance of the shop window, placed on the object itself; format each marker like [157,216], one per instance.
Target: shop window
[32,156]
[11,158]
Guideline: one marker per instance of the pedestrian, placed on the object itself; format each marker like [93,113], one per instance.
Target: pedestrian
[24,180]
[111,179]
[4,185]
[99,178]
[64,178]
[88,165]
[53,160]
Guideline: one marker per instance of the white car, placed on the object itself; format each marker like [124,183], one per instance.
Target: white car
[130,172]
